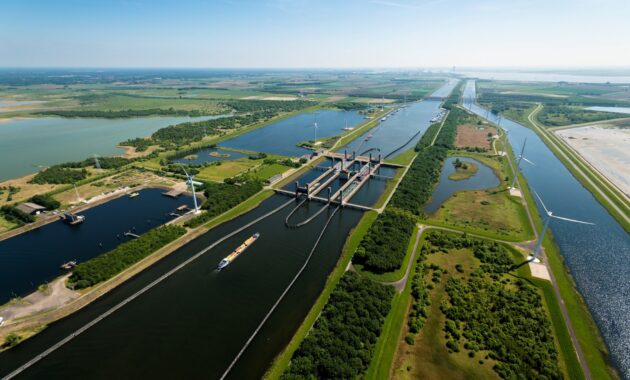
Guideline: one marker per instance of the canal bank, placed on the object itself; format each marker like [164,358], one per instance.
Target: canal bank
[34,257]
[199,340]
[594,255]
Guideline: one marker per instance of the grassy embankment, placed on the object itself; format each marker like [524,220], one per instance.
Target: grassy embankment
[586,329]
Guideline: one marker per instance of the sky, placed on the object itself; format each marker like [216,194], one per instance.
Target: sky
[315,33]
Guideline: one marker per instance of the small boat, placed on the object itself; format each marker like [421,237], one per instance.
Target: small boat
[72,219]
[69,265]
[182,208]
[241,248]
[134,194]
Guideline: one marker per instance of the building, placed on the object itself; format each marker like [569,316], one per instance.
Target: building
[30,208]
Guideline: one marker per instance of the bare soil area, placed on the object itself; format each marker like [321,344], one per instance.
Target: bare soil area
[474,136]
[606,149]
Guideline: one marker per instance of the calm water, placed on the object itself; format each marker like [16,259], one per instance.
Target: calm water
[193,324]
[545,77]
[597,256]
[28,144]
[401,130]
[33,258]
[610,109]
[484,178]
[283,136]
[203,156]
[367,195]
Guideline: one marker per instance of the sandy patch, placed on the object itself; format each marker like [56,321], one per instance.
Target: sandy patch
[130,151]
[533,93]
[606,149]
[54,296]
[380,101]
[278,98]
[539,270]
[516,192]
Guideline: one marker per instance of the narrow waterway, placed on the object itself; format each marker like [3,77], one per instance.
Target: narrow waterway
[34,257]
[598,256]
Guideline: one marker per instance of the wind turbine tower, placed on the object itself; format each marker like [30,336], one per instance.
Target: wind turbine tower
[550,215]
[191,183]
[97,164]
[518,164]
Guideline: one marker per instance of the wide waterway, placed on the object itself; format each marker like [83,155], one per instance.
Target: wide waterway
[28,144]
[598,256]
[283,136]
[34,257]
[193,323]
[402,130]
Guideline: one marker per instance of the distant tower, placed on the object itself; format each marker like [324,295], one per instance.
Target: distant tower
[97,164]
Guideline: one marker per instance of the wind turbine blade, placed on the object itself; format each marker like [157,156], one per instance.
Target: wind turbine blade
[572,220]
[541,202]
[528,161]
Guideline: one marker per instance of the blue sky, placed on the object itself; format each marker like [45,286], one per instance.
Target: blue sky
[312,33]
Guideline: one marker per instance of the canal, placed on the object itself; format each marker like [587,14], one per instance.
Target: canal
[597,256]
[194,321]
[403,129]
[283,136]
[34,257]
[26,145]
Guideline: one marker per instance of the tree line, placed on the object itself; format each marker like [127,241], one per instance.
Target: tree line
[341,343]
[221,197]
[129,113]
[107,265]
[384,246]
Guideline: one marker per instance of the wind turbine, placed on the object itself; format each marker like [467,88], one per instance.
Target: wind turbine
[518,164]
[97,164]
[315,125]
[505,134]
[550,215]
[189,181]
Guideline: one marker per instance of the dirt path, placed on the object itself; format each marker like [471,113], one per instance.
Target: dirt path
[55,296]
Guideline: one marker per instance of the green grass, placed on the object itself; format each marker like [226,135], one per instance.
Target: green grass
[5,224]
[395,275]
[268,171]
[405,158]
[242,208]
[281,362]
[461,173]
[389,188]
[582,321]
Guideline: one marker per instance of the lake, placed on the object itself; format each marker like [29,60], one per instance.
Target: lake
[28,144]
[484,178]
[610,109]
[208,155]
[597,256]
